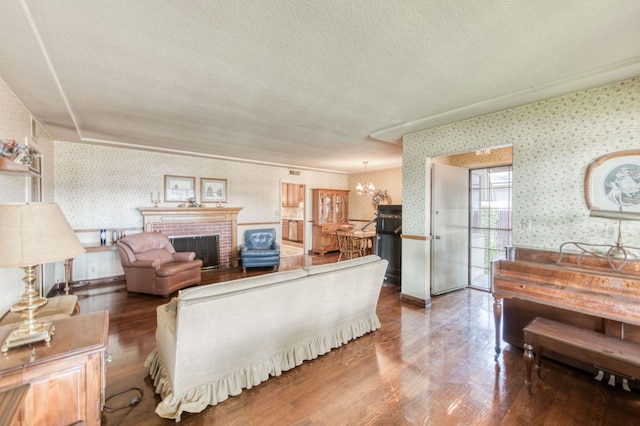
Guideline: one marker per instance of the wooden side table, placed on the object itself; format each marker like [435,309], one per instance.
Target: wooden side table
[66,377]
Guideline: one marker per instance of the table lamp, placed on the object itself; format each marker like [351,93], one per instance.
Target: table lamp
[32,234]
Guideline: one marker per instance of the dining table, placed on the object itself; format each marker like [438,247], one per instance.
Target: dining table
[366,239]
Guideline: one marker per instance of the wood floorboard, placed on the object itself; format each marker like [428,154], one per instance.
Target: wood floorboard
[423,367]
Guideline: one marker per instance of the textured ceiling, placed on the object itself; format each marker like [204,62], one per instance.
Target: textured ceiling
[316,84]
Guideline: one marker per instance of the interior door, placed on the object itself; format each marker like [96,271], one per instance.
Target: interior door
[449,228]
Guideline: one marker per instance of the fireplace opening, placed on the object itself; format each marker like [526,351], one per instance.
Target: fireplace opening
[206,248]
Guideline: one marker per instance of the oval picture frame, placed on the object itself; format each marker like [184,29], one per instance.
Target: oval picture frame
[612,185]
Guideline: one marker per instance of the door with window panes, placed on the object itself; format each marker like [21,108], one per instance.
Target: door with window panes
[490,220]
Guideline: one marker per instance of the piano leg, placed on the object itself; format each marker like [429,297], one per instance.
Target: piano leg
[497,317]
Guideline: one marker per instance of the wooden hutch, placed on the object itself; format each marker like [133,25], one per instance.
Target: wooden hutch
[330,211]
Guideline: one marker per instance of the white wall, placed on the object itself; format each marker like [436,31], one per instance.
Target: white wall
[553,143]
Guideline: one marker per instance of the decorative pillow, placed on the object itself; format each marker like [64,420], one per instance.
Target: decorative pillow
[161,255]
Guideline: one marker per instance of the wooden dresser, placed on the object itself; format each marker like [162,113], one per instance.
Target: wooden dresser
[330,211]
[66,377]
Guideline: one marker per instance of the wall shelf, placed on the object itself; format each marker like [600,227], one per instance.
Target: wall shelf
[10,166]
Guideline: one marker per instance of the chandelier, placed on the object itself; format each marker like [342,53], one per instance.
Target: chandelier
[368,187]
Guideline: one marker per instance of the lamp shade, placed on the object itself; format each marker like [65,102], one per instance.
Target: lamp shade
[35,233]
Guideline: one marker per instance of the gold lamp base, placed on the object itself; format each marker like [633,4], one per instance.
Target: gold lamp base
[31,330]
[41,332]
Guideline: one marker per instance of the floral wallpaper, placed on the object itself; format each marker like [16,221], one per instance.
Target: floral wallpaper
[553,143]
[102,187]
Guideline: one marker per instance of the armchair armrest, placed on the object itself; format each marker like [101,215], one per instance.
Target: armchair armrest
[183,256]
[145,263]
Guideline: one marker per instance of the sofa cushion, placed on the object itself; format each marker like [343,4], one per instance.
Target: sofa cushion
[321,269]
[260,253]
[161,255]
[147,241]
[173,268]
[205,291]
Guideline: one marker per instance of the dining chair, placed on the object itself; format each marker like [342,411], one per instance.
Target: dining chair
[350,246]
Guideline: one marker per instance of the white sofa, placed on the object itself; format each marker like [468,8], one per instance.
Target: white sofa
[213,341]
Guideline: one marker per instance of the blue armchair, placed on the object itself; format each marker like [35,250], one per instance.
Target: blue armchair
[260,248]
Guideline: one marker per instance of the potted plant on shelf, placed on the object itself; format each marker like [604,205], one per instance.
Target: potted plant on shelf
[15,156]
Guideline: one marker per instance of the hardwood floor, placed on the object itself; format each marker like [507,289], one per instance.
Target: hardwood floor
[423,367]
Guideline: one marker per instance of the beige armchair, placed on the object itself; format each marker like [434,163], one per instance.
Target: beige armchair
[151,264]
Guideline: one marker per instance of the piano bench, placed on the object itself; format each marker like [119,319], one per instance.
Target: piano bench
[616,356]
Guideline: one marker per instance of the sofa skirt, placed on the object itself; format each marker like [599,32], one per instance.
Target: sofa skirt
[219,389]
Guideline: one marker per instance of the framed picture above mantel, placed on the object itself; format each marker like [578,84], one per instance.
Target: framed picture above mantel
[178,189]
[213,190]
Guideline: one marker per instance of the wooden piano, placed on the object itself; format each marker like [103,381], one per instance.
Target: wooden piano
[582,291]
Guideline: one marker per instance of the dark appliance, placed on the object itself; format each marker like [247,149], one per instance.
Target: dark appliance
[388,241]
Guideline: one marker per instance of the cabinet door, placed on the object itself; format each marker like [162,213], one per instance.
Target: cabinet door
[291,198]
[284,194]
[326,239]
[327,206]
[341,208]
[333,241]
[330,240]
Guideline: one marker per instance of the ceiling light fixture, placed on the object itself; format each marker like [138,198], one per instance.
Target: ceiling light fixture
[368,187]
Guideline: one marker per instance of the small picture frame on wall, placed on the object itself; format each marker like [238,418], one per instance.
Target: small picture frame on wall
[213,190]
[35,129]
[612,185]
[35,166]
[178,189]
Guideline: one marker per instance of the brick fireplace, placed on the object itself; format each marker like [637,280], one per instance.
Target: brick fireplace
[189,221]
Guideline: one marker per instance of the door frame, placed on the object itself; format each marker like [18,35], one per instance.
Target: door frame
[305,209]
